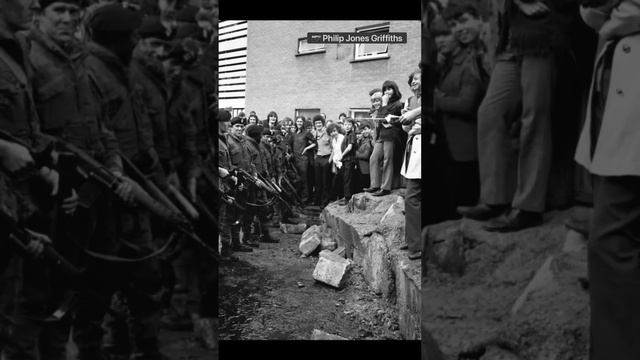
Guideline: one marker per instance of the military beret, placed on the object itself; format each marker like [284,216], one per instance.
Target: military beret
[237,120]
[114,18]
[187,14]
[254,131]
[223,115]
[152,28]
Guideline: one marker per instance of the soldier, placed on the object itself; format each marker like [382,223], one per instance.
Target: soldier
[62,94]
[238,149]
[261,166]
[24,188]
[111,30]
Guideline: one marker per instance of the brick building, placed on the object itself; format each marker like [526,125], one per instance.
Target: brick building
[286,74]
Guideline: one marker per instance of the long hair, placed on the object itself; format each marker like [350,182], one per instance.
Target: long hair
[390,84]
[301,128]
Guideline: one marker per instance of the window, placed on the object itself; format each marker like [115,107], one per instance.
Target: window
[307,113]
[358,113]
[305,48]
[372,51]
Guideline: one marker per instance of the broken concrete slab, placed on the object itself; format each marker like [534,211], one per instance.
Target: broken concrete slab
[310,240]
[543,279]
[331,269]
[322,335]
[293,228]
[328,243]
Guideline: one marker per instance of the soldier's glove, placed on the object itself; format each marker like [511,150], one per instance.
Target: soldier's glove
[14,157]
[37,243]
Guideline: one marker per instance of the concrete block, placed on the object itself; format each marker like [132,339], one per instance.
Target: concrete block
[331,269]
[309,242]
[340,251]
[321,335]
[293,228]
[328,243]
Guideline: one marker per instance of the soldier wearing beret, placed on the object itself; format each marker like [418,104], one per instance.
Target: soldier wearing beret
[25,187]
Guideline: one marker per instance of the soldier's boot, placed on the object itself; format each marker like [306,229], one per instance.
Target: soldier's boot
[237,246]
[116,340]
[266,237]
[249,238]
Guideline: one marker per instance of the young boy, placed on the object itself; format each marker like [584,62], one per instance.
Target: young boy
[363,153]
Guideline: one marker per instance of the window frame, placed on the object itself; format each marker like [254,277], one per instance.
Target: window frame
[322,48]
[373,29]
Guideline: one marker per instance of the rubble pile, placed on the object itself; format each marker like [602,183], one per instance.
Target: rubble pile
[518,295]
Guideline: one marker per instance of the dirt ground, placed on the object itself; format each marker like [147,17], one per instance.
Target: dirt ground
[270,293]
[474,310]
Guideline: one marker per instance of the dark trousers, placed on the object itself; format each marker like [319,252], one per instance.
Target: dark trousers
[520,90]
[322,172]
[614,268]
[302,166]
[413,215]
[344,180]
[312,187]
[140,283]
[363,181]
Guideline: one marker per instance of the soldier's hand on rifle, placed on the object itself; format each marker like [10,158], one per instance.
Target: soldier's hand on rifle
[124,190]
[173,179]
[52,178]
[14,157]
[70,204]
[37,243]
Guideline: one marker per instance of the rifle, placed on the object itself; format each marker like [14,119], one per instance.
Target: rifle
[184,226]
[89,168]
[19,238]
[212,181]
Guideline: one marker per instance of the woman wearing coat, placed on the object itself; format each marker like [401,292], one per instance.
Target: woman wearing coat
[609,148]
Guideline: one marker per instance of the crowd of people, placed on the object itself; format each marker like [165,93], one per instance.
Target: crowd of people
[324,160]
[104,146]
[491,136]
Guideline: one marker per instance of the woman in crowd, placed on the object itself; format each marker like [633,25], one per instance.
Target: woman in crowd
[390,143]
[300,142]
[272,121]
[253,119]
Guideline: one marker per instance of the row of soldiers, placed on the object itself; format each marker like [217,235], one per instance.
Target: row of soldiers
[134,96]
[263,153]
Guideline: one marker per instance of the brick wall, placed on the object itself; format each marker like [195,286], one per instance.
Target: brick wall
[279,80]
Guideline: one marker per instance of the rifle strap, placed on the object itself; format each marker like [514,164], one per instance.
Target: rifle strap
[120,259]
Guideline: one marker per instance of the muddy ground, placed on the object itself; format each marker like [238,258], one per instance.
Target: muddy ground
[270,293]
